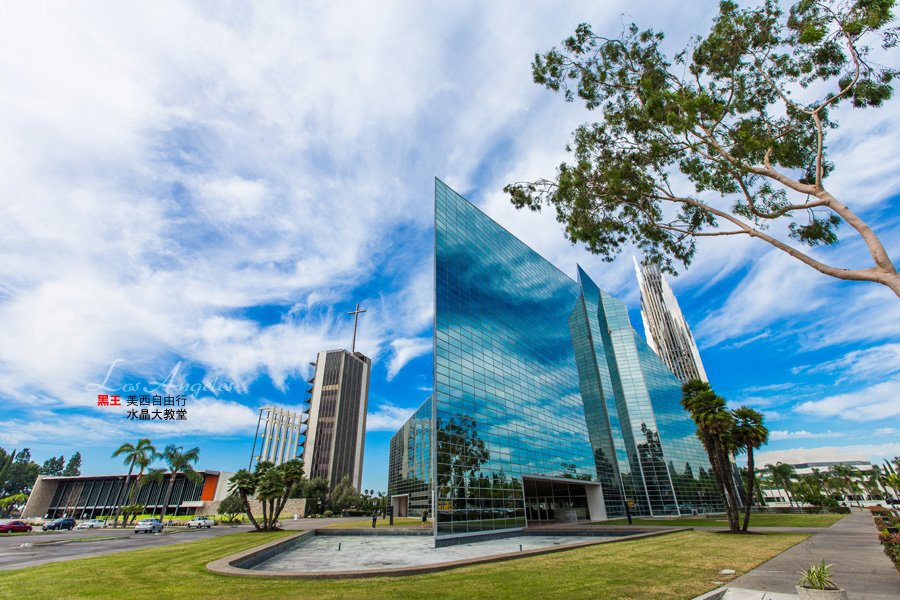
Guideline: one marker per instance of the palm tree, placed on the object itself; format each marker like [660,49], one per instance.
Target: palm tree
[134,454]
[846,476]
[782,475]
[179,461]
[874,483]
[158,476]
[893,481]
[292,477]
[143,463]
[748,434]
[243,482]
[714,424]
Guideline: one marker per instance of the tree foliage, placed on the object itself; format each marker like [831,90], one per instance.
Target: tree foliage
[742,114]
[17,472]
[8,504]
[73,467]
[231,507]
[344,495]
[54,465]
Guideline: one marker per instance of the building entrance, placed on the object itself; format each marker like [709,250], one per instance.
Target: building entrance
[559,500]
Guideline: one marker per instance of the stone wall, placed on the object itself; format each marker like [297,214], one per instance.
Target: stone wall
[293,506]
[39,500]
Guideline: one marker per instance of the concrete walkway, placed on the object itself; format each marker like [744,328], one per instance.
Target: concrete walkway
[851,545]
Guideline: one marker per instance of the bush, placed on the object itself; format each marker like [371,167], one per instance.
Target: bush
[891,544]
[328,513]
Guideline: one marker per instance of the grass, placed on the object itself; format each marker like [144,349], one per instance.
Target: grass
[679,565]
[763,520]
[367,522]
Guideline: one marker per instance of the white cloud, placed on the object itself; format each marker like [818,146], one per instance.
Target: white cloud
[404,350]
[388,418]
[802,434]
[878,361]
[873,403]
[164,172]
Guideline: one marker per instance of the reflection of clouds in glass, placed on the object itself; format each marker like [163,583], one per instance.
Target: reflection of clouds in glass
[504,358]
[508,393]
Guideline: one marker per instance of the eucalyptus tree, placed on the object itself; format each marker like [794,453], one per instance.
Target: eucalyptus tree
[748,434]
[133,455]
[742,114]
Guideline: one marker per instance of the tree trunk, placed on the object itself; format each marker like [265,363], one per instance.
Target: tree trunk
[751,480]
[249,512]
[165,504]
[785,484]
[723,477]
[265,515]
[119,496]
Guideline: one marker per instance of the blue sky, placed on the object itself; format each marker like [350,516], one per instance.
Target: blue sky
[214,185]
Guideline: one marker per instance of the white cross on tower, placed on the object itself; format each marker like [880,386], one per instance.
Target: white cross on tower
[355,314]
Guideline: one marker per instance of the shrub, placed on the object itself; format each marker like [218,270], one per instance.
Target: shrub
[891,544]
[328,513]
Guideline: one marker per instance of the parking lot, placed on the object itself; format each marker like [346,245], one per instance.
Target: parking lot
[25,550]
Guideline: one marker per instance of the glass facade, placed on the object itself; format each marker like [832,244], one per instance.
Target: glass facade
[547,404]
[409,473]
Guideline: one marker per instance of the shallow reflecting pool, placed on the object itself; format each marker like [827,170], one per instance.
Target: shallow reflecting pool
[360,552]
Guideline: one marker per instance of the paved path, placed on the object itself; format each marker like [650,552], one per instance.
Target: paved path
[851,545]
[19,551]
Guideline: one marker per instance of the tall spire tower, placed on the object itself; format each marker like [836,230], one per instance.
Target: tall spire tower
[665,328]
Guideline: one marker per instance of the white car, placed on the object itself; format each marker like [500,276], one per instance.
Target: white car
[91,524]
[148,526]
[199,522]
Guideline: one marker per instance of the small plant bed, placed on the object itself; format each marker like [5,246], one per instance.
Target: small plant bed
[816,584]
[887,522]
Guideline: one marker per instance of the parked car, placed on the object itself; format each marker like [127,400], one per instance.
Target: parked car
[148,526]
[10,526]
[64,523]
[91,524]
[199,522]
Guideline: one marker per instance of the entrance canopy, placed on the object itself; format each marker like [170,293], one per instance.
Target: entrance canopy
[562,500]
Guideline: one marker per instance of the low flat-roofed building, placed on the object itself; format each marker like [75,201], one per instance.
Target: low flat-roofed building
[804,460]
[92,496]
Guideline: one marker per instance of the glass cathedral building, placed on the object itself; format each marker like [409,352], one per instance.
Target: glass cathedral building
[547,404]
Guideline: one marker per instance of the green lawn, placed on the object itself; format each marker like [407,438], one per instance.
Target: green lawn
[679,565]
[764,520]
[364,522]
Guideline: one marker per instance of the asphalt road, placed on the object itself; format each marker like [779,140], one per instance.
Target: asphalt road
[18,551]
[26,550]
